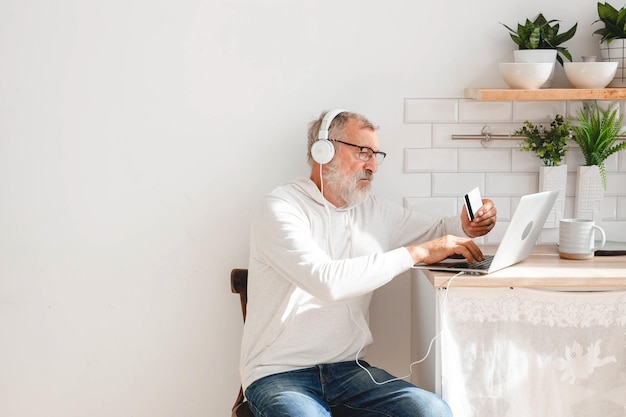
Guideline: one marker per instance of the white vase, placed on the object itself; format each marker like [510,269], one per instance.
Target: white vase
[615,51]
[554,178]
[537,56]
[589,193]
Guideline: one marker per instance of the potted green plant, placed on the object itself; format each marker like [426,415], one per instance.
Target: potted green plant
[613,39]
[598,134]
[614,23]
[542,34]
[550,145]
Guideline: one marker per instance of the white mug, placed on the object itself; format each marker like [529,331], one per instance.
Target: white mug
[576,238]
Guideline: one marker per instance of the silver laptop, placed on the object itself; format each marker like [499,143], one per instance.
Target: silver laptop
[518,241]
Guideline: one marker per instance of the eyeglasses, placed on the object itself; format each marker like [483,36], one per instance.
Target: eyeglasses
[365,152]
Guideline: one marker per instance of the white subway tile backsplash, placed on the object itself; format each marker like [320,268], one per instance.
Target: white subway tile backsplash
[485,111]
[616,184]
[537,111]
[523,161]
[574,158]
[417,135]
[570,186]
[456,184]
[497,233]
[402,184]
[569,207]
[430,160]
[431,110]
[440,170]
[548,236]
[608,211]
[621,208]
[433,206]
[622,104]
[514,203]
[605,104]
[615,231]
[503,206]
[611,163]
[574,106]
[484,160]
[511,184]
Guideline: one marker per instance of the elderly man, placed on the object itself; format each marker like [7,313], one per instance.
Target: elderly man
[319,247]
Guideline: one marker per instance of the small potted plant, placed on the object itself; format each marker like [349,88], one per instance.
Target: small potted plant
[598,134]
[542,34]
[614,23]
[550,145]
[613,33]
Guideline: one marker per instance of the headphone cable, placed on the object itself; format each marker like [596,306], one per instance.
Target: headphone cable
[430,345]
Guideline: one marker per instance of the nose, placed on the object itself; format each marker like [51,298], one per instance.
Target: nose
[371,164]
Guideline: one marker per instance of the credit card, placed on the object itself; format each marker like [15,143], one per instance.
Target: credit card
[473,202]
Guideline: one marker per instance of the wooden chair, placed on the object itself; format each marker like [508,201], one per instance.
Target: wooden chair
[239,285]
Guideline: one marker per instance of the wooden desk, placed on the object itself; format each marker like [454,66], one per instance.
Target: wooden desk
[545,269]
[526,340]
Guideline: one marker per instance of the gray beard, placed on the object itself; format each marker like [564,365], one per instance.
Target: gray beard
[347,187]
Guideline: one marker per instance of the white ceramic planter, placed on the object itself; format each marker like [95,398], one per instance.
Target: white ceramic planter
[537,55]
[615,51]
[589,193]
[554,178]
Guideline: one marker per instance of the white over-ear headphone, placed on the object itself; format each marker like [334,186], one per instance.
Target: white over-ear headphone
[323,150]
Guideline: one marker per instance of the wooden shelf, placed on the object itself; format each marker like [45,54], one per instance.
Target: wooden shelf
[506,94]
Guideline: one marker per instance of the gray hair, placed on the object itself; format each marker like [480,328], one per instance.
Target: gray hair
[336,128]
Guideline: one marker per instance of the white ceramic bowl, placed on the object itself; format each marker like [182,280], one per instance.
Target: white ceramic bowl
[525,75]
[590,74]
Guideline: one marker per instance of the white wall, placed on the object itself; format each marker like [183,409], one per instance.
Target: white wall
[135,137]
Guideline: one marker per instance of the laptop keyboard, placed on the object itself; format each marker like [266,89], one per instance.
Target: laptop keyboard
[482,265]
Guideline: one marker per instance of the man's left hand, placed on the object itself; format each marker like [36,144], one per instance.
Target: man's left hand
[484,221]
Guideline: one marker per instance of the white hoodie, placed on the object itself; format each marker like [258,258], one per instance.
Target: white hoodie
[312,271]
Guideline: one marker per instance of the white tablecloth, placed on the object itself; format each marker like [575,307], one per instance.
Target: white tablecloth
[533,353]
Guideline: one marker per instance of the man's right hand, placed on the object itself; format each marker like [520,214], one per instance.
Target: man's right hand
[439,249]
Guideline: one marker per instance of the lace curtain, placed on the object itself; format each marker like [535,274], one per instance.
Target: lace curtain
[524,352]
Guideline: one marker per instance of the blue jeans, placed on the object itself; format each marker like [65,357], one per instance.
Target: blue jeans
[341,390]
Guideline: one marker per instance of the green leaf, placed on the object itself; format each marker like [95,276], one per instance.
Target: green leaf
[542,34]
[566,36]
[614,22]
[597,132]
[533,40]
[549,144]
